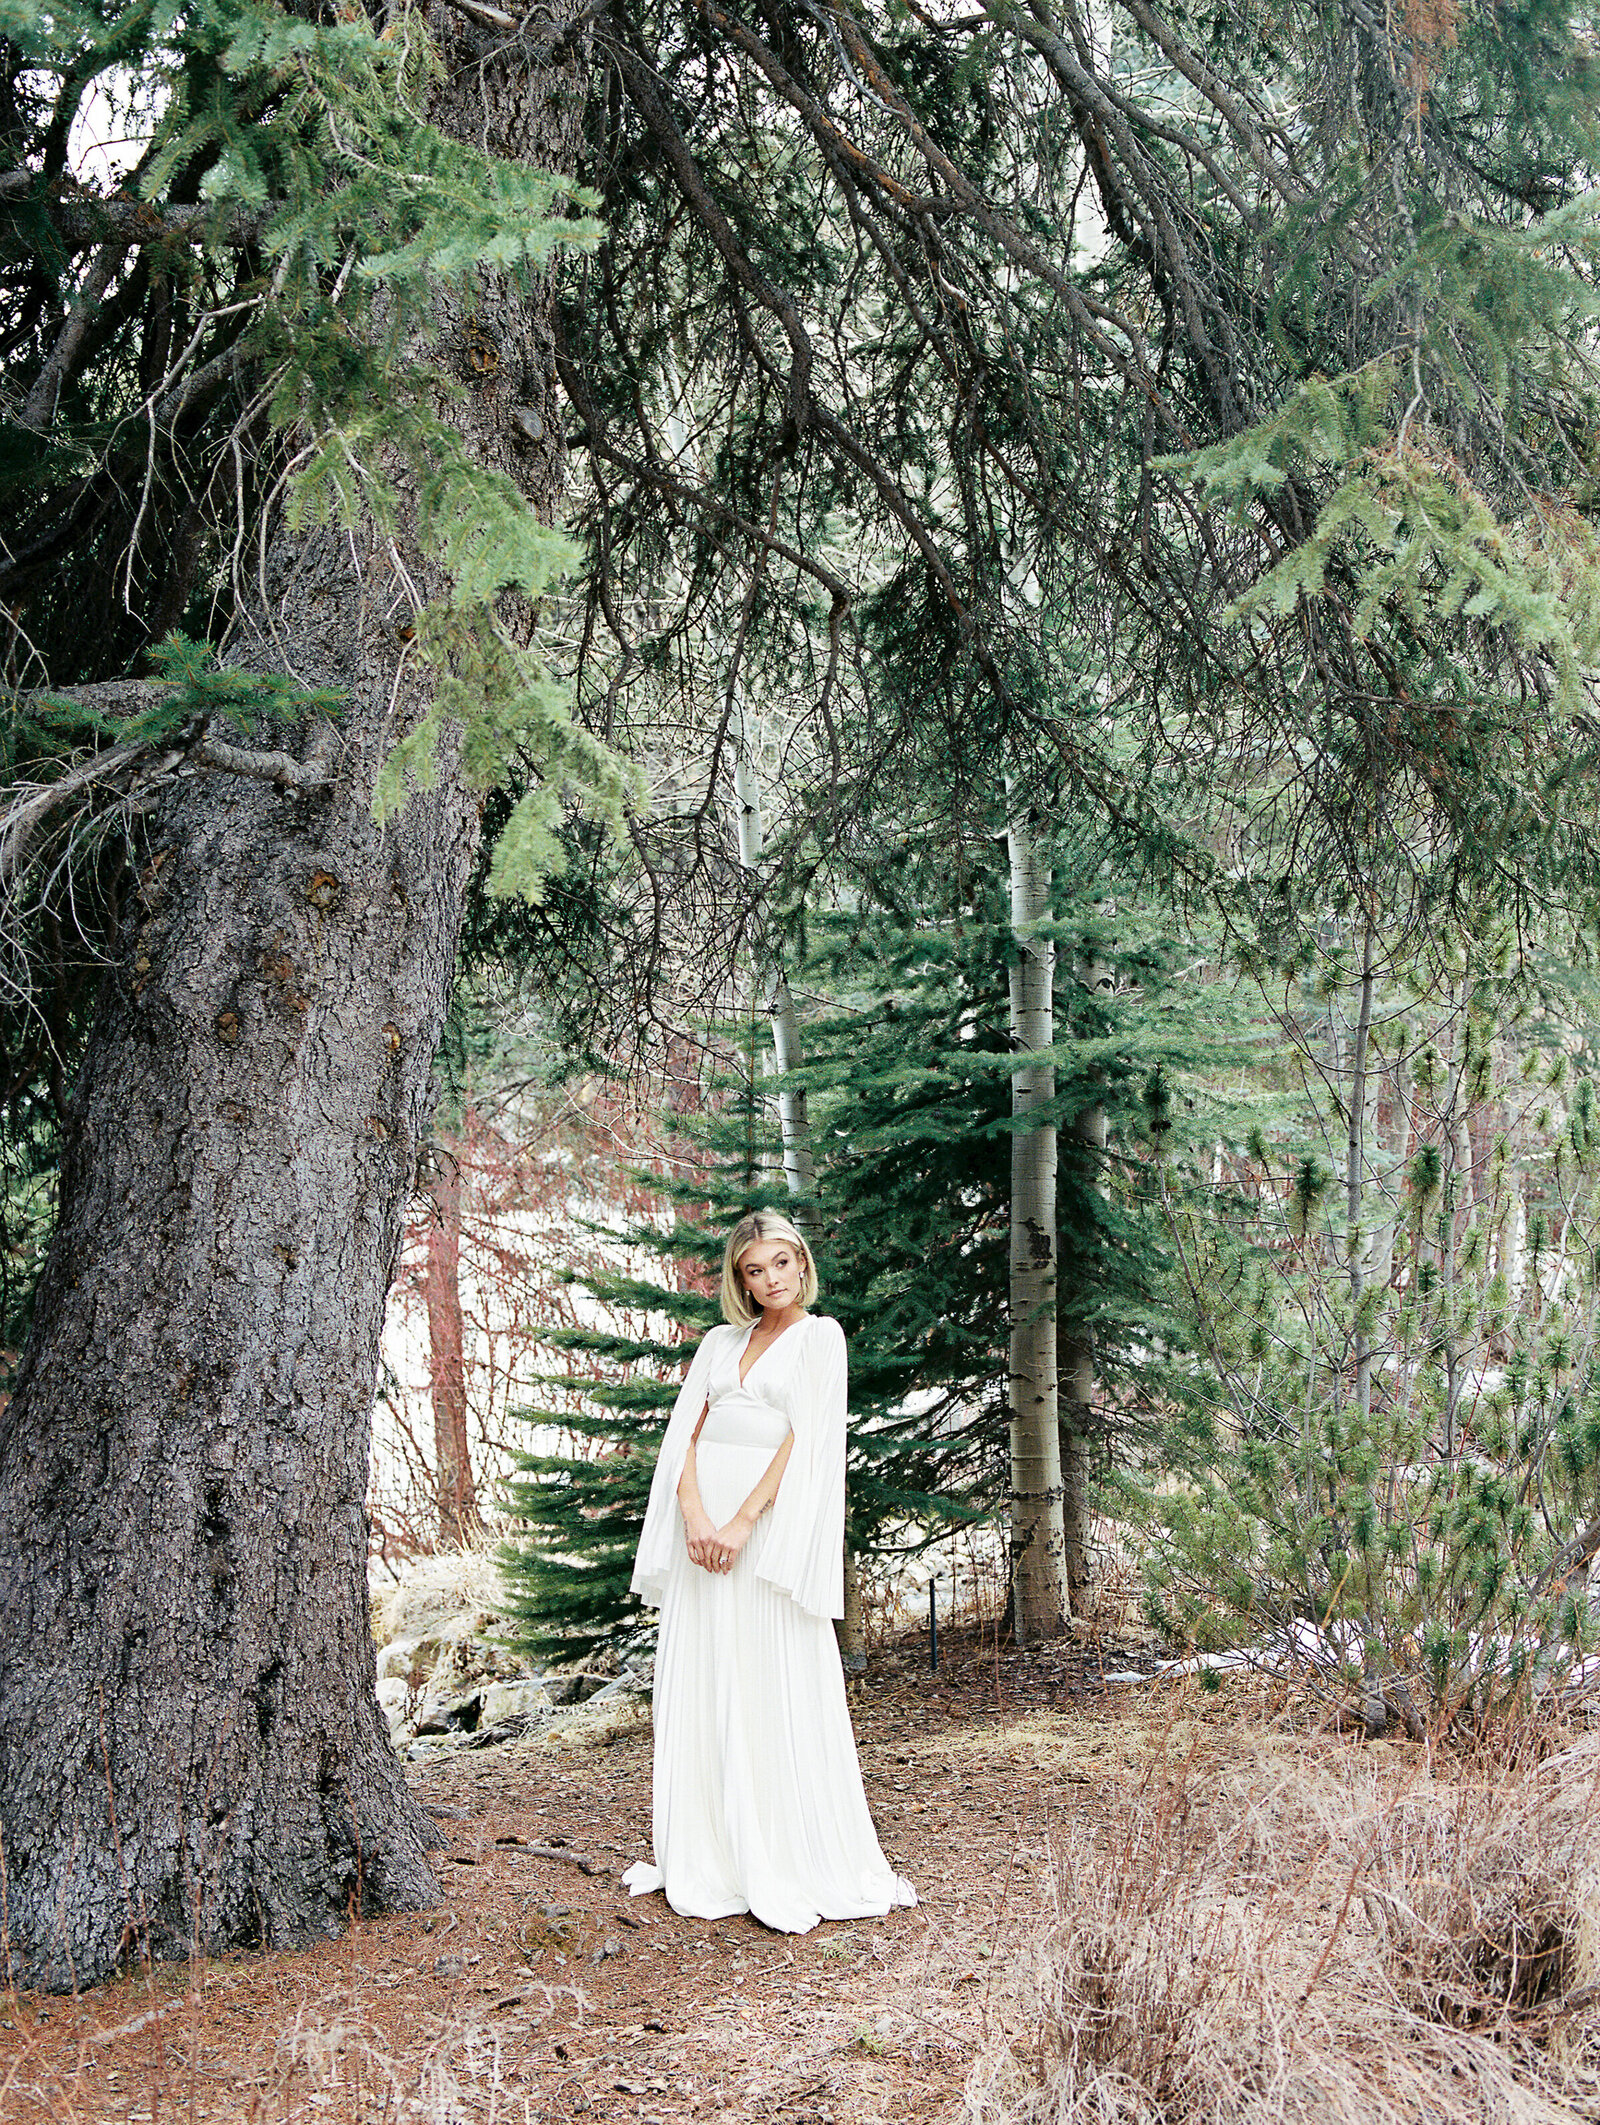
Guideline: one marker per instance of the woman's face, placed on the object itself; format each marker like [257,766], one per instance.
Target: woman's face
[772,1271]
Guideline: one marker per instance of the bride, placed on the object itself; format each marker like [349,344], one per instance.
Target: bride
[758,1804]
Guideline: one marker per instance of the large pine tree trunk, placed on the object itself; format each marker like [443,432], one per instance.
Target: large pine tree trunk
[190,1746]
[1038,1559]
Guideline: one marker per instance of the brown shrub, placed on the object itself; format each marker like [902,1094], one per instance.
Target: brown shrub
[1314,1943]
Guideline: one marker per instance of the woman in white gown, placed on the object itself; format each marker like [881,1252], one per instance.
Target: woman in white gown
[758,1803]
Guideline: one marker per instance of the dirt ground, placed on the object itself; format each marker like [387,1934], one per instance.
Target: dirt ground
[538,1991]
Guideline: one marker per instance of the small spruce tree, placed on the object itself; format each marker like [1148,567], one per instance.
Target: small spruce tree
[908,1083]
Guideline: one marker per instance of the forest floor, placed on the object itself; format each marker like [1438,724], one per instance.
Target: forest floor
[538,1992]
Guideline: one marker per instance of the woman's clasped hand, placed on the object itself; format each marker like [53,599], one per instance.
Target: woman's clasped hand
[715,1549]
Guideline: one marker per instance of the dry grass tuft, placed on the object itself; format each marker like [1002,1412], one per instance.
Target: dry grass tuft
[341,2065]
[449,1583]
[1488,1909]
[1316,1943]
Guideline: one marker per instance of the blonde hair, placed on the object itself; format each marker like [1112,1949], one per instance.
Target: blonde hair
[737,1304]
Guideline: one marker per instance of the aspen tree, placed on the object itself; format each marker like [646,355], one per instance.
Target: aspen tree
[1038,1549]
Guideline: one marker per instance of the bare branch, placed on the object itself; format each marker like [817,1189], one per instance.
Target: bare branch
[701,497]
[642,87]
[131,697]
[279,767]
[1572,1557]
[40,408]
[32,804]
[1216,91]
[84,220]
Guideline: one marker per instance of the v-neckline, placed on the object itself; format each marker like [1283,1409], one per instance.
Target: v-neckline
[743,1372]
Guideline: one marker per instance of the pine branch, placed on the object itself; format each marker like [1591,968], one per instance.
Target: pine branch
[121,699]
[1572,1557]
[642,87]
[804,409]
[663,482]
[1229,103]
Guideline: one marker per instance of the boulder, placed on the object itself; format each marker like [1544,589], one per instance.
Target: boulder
[399,1661]
[434,1592]
[450,1712]
[507,1701]
[636,1686]
[394,1695]
[426,1745]
[576,1688]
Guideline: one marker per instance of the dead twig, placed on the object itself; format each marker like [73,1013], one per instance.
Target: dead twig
[573,1859]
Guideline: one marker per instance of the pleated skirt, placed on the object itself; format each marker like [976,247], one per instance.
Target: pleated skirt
[758,1803]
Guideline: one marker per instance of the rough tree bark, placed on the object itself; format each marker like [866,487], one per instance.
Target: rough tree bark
[191,1750]
[447,1357]
[1040,1605]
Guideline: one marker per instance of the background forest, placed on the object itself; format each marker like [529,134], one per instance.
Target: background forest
[979,623]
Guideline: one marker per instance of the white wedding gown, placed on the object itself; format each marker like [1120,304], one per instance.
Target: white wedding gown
[758,1802]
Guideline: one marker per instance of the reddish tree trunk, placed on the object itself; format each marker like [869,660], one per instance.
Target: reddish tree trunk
[447,1361]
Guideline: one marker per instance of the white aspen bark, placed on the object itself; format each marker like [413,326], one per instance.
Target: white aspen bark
[850,1629]
[794,1121]
[746,789]
[1375,1711]
[1456,1210]
[799,1166]
[1355,1174]
[1038,1549]
[1077,1370]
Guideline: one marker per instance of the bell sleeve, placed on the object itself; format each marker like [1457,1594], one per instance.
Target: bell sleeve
[663,1523]
[803,1555]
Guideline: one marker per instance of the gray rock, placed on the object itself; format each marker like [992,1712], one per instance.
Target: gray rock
[399,1660]
[427,1745]
[576,1688]
[394,1695]
[505,1701]
[625,1686]
[455,1714]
